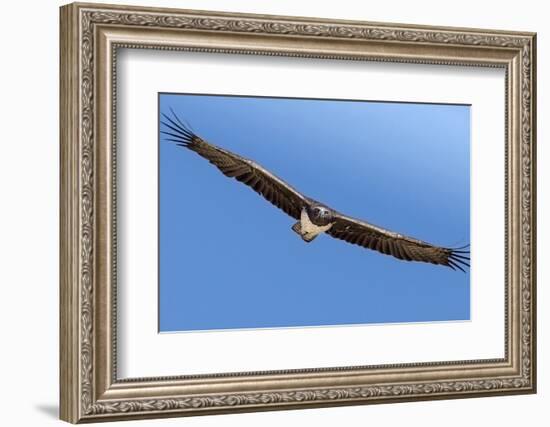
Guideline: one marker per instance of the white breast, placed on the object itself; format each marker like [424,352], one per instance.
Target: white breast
[310,229]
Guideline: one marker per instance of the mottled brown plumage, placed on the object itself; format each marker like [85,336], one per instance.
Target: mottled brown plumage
[292,202]
[388,242]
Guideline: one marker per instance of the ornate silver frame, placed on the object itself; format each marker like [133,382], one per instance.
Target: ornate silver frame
[90,35]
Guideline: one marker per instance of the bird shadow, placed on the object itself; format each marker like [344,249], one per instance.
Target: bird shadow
[48,409]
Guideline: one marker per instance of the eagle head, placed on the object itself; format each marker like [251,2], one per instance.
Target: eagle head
[320,215]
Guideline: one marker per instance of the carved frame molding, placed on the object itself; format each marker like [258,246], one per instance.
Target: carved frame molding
[90,35]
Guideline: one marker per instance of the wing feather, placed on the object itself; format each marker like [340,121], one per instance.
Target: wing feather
[406,248]
[271,187]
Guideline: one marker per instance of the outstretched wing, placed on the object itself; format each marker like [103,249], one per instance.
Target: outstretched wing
[272,188]
[406,248]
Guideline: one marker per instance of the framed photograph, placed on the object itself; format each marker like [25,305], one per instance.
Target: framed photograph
[266,212]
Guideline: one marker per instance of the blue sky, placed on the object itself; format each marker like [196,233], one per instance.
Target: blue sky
[228,258]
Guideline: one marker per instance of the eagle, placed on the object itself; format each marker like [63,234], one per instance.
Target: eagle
[313,217]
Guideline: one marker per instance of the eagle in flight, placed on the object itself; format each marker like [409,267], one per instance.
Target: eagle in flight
[313,217]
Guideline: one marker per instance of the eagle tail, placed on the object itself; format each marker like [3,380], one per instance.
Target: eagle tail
[297,228]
